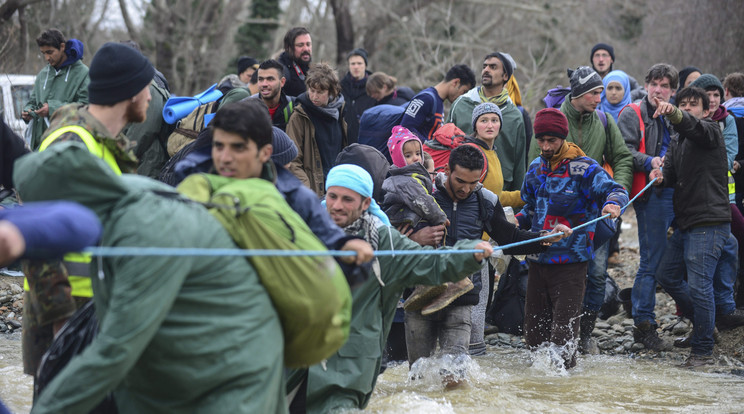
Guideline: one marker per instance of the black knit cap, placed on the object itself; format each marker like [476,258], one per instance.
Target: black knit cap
[117,73]
[603,46]
[358,52]
[245,62]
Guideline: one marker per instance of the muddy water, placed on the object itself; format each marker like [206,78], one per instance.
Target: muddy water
[508,380]
[514,381]
[16,388]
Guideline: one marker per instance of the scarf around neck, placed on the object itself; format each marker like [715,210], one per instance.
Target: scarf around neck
[568,150]
[366,227]
[499,99]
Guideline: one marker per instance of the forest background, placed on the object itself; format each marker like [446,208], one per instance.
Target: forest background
[196,42]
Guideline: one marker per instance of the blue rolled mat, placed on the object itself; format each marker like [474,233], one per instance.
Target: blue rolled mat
[178,107]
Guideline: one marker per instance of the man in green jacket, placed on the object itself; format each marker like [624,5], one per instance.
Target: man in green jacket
[600,139]
[512,144]
[349,377]
[64,80]
[176,334]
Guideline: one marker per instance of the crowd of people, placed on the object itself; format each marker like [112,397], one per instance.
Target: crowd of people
[189,333]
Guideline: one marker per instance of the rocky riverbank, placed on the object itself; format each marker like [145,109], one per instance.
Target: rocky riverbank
[11,304]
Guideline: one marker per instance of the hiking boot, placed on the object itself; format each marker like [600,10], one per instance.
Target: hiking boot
[730,321]
[422,295]
[614,259]
[452,292]
[645,333]
[489,329]
[587,344]
[695,360]
[686,342]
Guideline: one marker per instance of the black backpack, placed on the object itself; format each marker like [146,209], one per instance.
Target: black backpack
[507,309]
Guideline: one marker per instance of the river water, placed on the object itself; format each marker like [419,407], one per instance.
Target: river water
[508,380]
[518,381]
[16,388]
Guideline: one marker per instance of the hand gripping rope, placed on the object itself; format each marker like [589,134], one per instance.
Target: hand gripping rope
[179,251]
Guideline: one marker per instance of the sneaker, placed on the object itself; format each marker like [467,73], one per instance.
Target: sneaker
[614,259]
[695,360]
[453,291]
[686,342]
[645,333]
[422,295]
[730,321]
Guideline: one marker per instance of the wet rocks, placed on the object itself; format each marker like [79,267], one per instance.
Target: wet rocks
[11,304]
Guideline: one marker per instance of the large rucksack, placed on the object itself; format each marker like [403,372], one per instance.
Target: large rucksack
[555,97]
[447,138]
[310,293]
[507,309]
[189,127]
[376,125]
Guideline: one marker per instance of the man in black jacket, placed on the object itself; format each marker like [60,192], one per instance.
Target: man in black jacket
[702,242]
[297,55]
[354,89]
[471,210]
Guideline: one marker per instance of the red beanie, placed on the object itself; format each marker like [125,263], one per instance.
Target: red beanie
[551,121]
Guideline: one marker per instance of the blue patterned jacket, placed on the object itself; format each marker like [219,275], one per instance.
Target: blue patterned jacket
[572,194]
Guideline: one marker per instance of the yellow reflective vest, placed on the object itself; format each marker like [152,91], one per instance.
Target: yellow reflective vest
[78,264]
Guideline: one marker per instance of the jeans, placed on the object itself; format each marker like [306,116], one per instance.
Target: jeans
[451,326]
[709,253]
[596,279]
[654,218]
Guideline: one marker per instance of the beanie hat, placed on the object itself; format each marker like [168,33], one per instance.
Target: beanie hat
[684,73]
[358,52]
[584,79]
[603,46]
[506,62]
[395,144]
[707,81]
[117,73]
[245,62]
[486,108]
[285,149]
[551,121]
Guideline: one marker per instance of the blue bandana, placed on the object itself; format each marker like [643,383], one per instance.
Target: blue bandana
[355,178]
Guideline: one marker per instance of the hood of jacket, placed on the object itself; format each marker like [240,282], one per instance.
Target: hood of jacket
[68,171]
[74,50]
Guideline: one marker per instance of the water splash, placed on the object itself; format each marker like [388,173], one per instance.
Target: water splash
[549,359]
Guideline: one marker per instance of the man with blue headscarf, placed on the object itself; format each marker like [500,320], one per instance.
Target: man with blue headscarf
[349,376]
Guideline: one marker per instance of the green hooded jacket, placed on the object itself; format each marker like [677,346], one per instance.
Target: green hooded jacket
[148,138]
[56,88]
[352,372]
[511,143]
[587,131]
[176,334]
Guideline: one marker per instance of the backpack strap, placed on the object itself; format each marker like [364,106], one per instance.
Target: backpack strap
[637,109]
[607,153]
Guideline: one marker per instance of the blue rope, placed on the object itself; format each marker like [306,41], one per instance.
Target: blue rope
[199,252]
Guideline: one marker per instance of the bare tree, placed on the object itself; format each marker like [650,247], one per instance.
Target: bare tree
[191,40]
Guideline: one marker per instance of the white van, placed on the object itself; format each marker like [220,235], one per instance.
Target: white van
[15,91]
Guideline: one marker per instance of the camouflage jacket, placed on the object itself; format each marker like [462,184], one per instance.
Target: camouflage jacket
[77,114]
